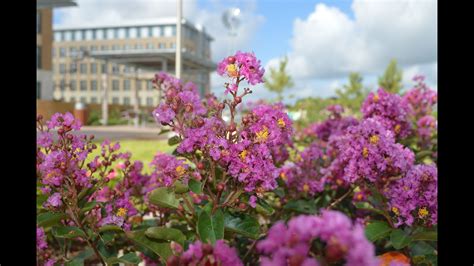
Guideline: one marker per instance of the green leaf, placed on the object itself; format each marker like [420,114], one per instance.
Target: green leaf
[399,239]
[50,218]
[160,248]
[426,235]
[174,140]
[68,232]
[180,188]
[211,227]
[164,197]
[195,186]
[130,258]
[421,248]
[242,224]
[79,259]
[164,233]
[40,199]
[377,230]
[368,207]
[422,154]
[164,131]
[280,192]
[88,206]
[264,208]
[302,206]
[110,227]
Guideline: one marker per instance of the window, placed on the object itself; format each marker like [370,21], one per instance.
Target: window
[62,52]
[139,100]
[99,34]
[126,85]
[58,36]
[53,52]
[89,35]
[38,24]
[38,90]
[144,32]
[62,85]
[73,68]
[38,56]
[126,100]
[133,33]
[161,45]
[83,85]
[103,68]
[138,84]
[122,33]
[115,100]
[93,48]
[116,33]
[115,85]
[138,46]
[168,31]
[156,32]
[78,35]
[72,99]
[93,85]
[149,85]
[115,47]
[115,69]
[83,68]
[72,85]
[93,99]
[150,31]
[83,99]
[126,47]
[67,35]
[93,68]
[110,34]
[173,45]
[72,51]
[149,101]
[104,47]
[62,68]
[150,46]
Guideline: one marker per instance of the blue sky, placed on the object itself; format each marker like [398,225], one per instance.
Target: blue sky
[325,40]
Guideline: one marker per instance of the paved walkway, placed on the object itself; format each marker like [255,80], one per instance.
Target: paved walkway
[122,132]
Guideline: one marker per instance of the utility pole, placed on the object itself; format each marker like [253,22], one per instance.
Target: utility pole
[136,108]
[179,15]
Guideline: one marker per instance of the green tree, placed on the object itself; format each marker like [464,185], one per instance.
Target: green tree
[353,94]
[279,79]
[391,80]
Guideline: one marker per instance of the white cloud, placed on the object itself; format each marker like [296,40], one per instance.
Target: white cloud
[328,43]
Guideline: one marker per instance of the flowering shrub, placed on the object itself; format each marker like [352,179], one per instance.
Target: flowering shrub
[247,191]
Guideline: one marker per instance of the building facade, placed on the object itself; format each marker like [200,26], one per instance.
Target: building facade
[44,39]
[85,59]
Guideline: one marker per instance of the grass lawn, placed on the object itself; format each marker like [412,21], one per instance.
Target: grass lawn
[142,150]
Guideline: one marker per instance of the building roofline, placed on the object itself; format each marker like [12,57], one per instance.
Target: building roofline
[137,23]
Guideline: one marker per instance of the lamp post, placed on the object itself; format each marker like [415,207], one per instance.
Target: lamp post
[231,20]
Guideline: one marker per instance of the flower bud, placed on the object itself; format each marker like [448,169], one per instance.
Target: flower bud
[231,59]
[172,261]
[188,108]
[200,166]
[221,106]
[242,206]
[334,253]
[207,249]
[220,186]
[91,137]
[232,127]
[238,99]
[177,248]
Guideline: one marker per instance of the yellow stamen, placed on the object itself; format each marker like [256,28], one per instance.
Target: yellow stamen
[305,188]
[232,70]
[376,98]
[283,176]
[397,128]
[262,135]
[365,152]
[339,182]
[180,170]
[121,212]
[359,196]
[374,139]
[423,212]
[396,211]
[243,154]
[281,123]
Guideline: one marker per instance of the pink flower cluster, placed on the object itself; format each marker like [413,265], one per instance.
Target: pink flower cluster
[420,99]
[390,109]
[335,125]
[415,196]
[292,244]
[244,65]
[200,253]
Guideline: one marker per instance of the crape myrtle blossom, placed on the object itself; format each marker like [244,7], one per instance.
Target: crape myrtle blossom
[41,246]
[336,124]
[241,65]
[420,99]
[304,174]
[391,111]
[166,170]
[179,99]
[414,196]
[368,151]
[200,253]
[291,244]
